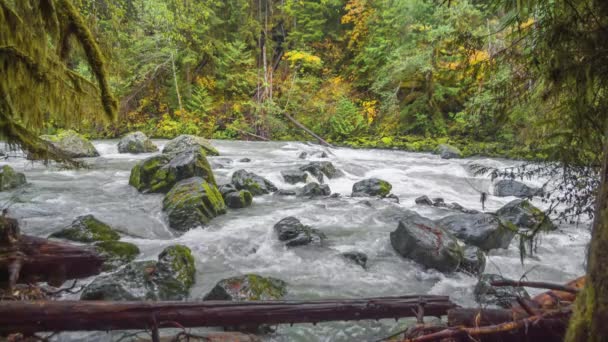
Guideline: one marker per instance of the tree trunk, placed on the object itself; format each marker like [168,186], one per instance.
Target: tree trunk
[589,321]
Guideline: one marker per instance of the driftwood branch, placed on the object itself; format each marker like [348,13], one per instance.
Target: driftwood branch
[297,123]
[535,284]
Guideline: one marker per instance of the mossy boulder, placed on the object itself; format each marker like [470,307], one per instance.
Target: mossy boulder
[293,233]
[247,288]
[161,172]
[10,179]
[185,142]
[256,185]
[169,278]
[371,187]
[320,168]
[523,214]
[503,296]
[191,203]
[448,151]
[136,142]
[87,229]
[116,253]
[485,231]
[72,144]
[314,189]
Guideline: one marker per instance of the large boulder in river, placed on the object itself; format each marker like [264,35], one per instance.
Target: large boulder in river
[503,296]
[421,240]
[87,229]
[234,198]
[253,183]
[293,233]
[523,214]
[294,176]
[314,189]
[185,142]
[448,151]
[72,144]
[116,253]
[371,187]
[136,142]
[169,278]
[191,203]
[10,179]
[320,168]
[510,187]
[248,287]
[159,173]
[485,231]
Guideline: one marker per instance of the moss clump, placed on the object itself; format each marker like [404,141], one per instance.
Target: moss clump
[71,144]
[175,271]
[247,288]
[10,179]
[116,253]
[87,229]
[385,188]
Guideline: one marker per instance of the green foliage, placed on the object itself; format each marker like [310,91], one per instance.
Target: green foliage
[346,121]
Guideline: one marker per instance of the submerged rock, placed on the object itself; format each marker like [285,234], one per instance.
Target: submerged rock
[72,144]
[191,203]
[116,253]
[303,155]
[482,230]
[423,200]
[510,187]
[248,287]
[284,192]
[356,257]
[294,176]
[87,229]
[448,151]
[473,261]
[10,179]
[238,199]
[253,183]
[320,168]
[159,173]
[314,190]
[245,160]
[136,142]
[186,142]
[421,240]
[523,214]
[371,187]
[503,296]
[293,233]
[440,203]
[169,278]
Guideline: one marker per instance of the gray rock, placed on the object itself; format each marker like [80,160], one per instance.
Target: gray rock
[293,233]
[320,168]
[303,155]
[10,179]
[371,187]
[323,155]
[253,183]
[187,142]
[358,258]
[247,288]
[392,198]
[239,199]
[421,240]
[191,203]
[294,176]
[510,187]
[482,230]
[474,260]
[440,203]
[448,151]
[136,142]
[72,144]
[502,296]
[314,190]
[423,200]
[284,192]
[523,214]
[245,160]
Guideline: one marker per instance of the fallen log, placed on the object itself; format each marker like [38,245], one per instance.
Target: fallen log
[305,129]
[38,316]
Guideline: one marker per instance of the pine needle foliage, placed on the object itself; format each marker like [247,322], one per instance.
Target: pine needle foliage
[37,84]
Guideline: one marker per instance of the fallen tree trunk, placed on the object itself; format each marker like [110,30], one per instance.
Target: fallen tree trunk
[297,123]
[38,316]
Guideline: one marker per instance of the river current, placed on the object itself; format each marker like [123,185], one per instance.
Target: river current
[242,241]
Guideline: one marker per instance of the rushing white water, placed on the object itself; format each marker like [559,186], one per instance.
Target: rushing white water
[242,241]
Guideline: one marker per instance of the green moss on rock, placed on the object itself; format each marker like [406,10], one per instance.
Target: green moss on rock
[10,179]
[87,229]
[247,288]
[185,142]
[116,253]
[72,144]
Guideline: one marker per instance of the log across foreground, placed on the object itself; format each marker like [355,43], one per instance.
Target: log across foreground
[40,316]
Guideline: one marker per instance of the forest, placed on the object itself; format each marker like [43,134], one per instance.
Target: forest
[387,170]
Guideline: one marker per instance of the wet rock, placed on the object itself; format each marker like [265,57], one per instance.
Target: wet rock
[245,160]
[284,192]
[303,155]
[448,151]
[510,187]
[186,142]
[225,189]
[294,176]
[474,260]
[116,253]
[191,203]
[423,200]
[87,229]
[421,240]
[161,172]
[323,155]
[247,288]
[356,257]
[72,144]
[482,230]
[523,214]
[293,233]
[371,187]
[503,296]
[10,179]
[136,142]
[320,168]
[239,199]
[169,278]
[440,203]
[253,183]
[335,195]
[393,198]
[314,190]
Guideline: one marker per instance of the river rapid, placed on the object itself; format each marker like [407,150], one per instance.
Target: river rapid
[242,241]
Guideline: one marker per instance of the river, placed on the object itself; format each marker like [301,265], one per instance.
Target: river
[242,241]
